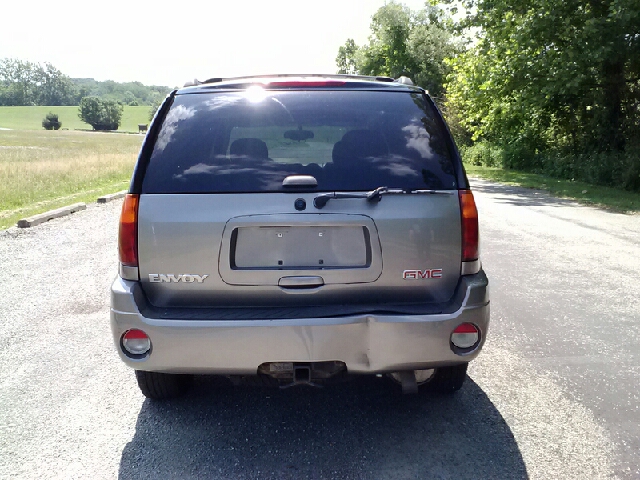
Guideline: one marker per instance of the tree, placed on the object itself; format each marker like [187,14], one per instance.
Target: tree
[51,122]
[52,87]
[16,78]
[100,114]
[346,59]
[565,72]
[403,42]
[26,83]
[130,99]
[387,53]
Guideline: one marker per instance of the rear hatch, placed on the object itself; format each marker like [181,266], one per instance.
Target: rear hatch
[267,197]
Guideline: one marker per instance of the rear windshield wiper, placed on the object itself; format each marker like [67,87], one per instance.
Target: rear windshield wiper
[373,196]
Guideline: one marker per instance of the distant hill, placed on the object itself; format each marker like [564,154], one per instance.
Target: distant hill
[27,84]
[128,93]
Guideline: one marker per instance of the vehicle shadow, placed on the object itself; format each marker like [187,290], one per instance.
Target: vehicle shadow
[364,428]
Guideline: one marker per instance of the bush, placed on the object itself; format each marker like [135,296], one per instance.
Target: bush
[153,110]
[611,169]
[482,154]
[100,114]
[51,122]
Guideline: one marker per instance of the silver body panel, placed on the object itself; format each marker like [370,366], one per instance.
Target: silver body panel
[192,234]
[371,343]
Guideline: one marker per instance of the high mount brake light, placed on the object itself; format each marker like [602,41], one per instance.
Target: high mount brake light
[128,234]
[470,235]
[307,83]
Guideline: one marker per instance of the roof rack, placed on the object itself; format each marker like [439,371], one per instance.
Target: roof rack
[403,80]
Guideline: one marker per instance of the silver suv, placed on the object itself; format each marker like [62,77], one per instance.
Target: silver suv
[298,229]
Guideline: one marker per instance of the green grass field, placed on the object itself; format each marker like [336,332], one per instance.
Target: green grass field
[30,118]
[41,170]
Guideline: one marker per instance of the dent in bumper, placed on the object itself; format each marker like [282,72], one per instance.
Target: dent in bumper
[365,343]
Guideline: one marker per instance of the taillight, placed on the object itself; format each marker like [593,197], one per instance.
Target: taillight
[135,343]
[128,234]
[470,236]
[466,336]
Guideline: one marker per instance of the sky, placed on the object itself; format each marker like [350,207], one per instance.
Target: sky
[161,43]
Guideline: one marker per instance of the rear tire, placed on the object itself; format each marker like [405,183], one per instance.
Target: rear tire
[161,386]
[446,380]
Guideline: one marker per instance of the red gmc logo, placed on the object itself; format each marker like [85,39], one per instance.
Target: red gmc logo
[418,274]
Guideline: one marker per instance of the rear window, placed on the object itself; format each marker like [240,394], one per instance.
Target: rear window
[251,141]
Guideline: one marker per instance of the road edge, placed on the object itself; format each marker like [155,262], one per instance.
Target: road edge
[50,215]
[112,196]
[64,211]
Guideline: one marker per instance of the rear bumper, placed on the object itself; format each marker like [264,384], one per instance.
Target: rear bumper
[369,343]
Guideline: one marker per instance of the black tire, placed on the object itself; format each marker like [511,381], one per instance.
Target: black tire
[447,380]
[160,386]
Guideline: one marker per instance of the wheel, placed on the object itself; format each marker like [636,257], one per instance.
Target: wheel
[446,379]
[160,386]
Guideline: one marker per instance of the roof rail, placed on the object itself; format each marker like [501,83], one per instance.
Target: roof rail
[404,80]
[378,78]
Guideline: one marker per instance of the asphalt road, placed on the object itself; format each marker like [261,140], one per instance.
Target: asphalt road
[553,395]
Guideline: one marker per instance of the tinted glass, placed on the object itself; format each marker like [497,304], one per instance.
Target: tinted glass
[251,140]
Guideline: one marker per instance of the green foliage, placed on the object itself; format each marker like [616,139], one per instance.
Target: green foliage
[482,155]
[403,42]
[129,93]
[347,58]
[388,53]
[554,84]
[153,110]
[612,168]
[100,114]
[26,83]
[51,122]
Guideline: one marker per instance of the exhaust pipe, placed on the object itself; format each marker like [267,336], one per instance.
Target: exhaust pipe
[408,382]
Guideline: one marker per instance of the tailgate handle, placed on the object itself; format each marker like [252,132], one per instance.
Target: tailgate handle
[301,282]
[300,181]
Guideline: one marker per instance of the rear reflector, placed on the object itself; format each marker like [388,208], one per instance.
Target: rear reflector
[128,234]
[465,336]
[136,342]
[470,236]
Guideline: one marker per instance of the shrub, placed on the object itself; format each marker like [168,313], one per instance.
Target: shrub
[51,122]
[100,114]
[482,154]
[153,109]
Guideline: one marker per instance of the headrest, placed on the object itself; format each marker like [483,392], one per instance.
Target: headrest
[358,145]
[249,147]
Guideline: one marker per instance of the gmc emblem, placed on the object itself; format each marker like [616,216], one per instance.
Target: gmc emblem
[420,274]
